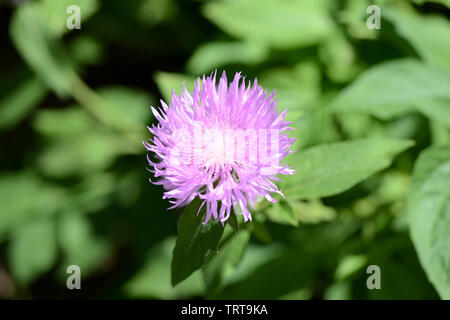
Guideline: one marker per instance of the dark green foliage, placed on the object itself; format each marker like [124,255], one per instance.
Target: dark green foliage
[371,113]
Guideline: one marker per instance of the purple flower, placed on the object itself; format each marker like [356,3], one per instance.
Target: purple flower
[222,144]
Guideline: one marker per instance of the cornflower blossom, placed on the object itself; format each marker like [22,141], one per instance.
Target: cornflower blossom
[223,144]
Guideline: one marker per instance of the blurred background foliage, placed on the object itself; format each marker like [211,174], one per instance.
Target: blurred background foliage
[74,105]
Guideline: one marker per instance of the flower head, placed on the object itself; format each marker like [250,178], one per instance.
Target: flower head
[223,144]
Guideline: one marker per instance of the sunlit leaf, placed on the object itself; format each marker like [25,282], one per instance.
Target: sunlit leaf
[338,291]
[349,265]
[213,55]
[25,196]
[393,88]
[55,15]
[297,88]
[311,212]
[79,244]
[82,154]
[339,56]
[429,216]
[279,23]
[281,212]
[131,106]
[329,169]
[429,35]
[440,134]
[63,123]
[33,250]
[15,105]
[354,16]
[87,50]
[436,109]
[42,53]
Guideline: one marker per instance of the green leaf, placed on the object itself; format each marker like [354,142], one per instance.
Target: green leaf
[281,212]
[63,123]
[353,15]
[356,125]
[282,274]
[127,107]
[429,216]
[79,244]
[338,291]
[394,186]
[311,212]
[82,154]
[444,2]
[77,144]
[436,109]
[87,50]
[291,265]
[255,256]
[195,242]
[339,57]
[440,134]
[329,169]
[221,266]
[348,265]
[279,23]
[149,13]
[297,87]
[167,81]
[152,280]
[54,13]
[428,161]
[315,126]
[24,196]
[429,35]
[130,106]
[233,221]
[39,49]
[33,250]
[212,55]
[94,192]
[15,105]
[393,88]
